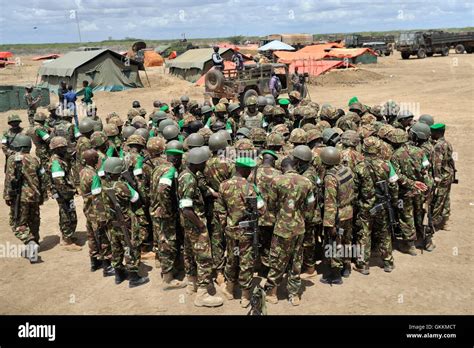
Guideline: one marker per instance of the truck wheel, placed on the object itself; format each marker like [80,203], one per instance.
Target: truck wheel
[405,55]
[248,93]
[469,50]
[214,80]
[429,54]
[445,51]
[421,53]
[459,49]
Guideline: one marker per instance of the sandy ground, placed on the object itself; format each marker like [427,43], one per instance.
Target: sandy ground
[440,282]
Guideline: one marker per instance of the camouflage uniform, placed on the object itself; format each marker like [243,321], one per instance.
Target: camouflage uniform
[32,106]
[40,137]
[96,216]
[350,157]
[197,248]
[251,121]
[7,138]
[26,228]
[290,199]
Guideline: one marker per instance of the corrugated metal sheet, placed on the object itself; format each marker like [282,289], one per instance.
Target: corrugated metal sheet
[195,58]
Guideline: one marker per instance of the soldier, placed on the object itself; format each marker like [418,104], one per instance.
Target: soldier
[337,215]
[331,137]
[92,114]
[290,199]
[123,228]
[426,119]
[251,117]
[275,142]
[233,209]
[63,190]
[86,127]
[99,142]
[408,163]
[368,173]
[53,117]
[96,216]
[390,111]
[24,192]
[10,135]
[197,249]
[40,136]
[404,120]
[31,103]
[444,173]
[130,115]
[114,148]
[350,156]
[258,137]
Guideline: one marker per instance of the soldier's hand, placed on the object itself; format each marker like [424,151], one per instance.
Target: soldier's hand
[421,186]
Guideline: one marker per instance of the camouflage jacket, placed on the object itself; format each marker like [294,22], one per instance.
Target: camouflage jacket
[338,195]
[83,144]
[7,138]
[314,216]
[126,196]
[164,192]
[411,165]
[290,198]
[251,121]
[265,176]
[350,157]
[231,208]
[31,103]
[66,130]
[386,151]
[40,137]
[218,169]
[443,161]
[190,196]
[90,188]
[62,177]
[317,163]
[33,189]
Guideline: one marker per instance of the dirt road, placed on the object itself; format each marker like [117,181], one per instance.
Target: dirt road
[440,282]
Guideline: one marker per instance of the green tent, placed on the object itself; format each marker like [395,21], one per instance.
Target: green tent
[104,69]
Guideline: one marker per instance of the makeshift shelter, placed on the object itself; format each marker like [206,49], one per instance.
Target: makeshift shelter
[104,69]
[353,55]
[196,62]
[313,52]
[153,58]
[276,45]
[13,97]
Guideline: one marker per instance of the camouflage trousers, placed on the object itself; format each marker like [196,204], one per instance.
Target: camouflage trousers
[31,115]
[44,159]
[312,245]
[240,261]
[67,219]
[142,225]
[373,229]
[334,256]
[418,214]
[167,242]
[98,241]
[441,204]
[27,227]
[286,255]
[121,250]
[218,243]
[406,219]
[197,255]
[265,234]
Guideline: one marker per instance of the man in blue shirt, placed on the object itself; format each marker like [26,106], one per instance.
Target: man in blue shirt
[70,99]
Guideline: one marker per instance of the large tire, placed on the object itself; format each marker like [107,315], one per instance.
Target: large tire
[214,80]
[469,49]
[421,53]
[445,51]
[429,54]
[459,49]
[248,93]
[405,55]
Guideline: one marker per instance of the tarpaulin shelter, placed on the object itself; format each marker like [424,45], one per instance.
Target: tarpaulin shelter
[276,45]
[317,67]
[47,57]
[105,70]
[153,58]
[313,52]
[5,55]
[353,55]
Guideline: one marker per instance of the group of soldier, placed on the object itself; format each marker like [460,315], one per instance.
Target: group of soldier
[229,191]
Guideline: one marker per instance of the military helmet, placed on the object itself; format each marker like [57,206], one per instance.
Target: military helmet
[371,145]
[367,130]
[314,134]
[205,109]
[159,116]
[275,139]
[156,145]
[299,110]
[224,101]
[170,132]
[165,123]
[157,104]
[307,126]
[232,107]
[21,140]
[52,107]
[218,126]
[328,112]
[136,104]
[309,113]
[268,110]
[57,142]
[385,130]
[98,139]
[206,133]
[390,109]
[357,107]
[128,131]
[261,101]
[13,118]
[226,135]
[295,94]
[136,139]
[303,153]
[368,119]
[113,165]
[322,125]
[404,114]
[350,138]
[138,122]
[111,130]
[184,99]
[298,136]
[397,136]
[132,113]
[175,103]
[330,156]
[426,119]
[313,105]
[40,117]
[217,142]
[197,155]
[258,135]
[270,100]
[86,125]
[174,144]
[244,145]
[243,131]
[278,111]
[116,120]
[330,134]
[143,132]
[221,107]
[195,140]
[421,130]
[376,110]
[282,129]
[252,100]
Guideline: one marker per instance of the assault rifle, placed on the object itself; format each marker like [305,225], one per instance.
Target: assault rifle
[120,223]
[386,204]
[15,189]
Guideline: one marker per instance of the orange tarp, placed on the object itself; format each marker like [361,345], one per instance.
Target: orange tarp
[48,56]
[153,59]
[312,52]
[4,55]
[348,52]
[316,67]
[172,55]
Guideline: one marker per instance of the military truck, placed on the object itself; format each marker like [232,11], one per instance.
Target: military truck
[382,45]
[253,80]
[426,44]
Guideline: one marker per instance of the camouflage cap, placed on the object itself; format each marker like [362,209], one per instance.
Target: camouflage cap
[371,145]
[136,139]
[258,135]
[275,139]
[98,139]
[298,136]
[350,138]
[156,145]
[397,136]
[111,130]
[57,142]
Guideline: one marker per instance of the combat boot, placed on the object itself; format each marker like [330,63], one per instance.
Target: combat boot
[220,280]
[346,271]
[309,273]
[108,270]
[387,267]
[245,299]
[429,245]
[32,251]
[136,280]
[120,275]
[69,245]
[294,300]
[411,248]
[95,264]
[170,283]
[228,290]
[203,299]
[271,296]
[191,287]
[362,269]
[333,277]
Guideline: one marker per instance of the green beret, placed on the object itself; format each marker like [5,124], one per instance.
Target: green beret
[438,126]
[164,108]
[284,101]
[245,162]
[174,152]
[353,100]
[270,152]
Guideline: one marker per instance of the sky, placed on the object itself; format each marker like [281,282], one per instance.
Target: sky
[40,21]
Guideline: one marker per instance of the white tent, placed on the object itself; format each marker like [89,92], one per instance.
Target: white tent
[276,45]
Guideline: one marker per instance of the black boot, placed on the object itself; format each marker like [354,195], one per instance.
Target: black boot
[95,264]
[108,270]
[120,275]
[333,277]
[136,280]
[346,271]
